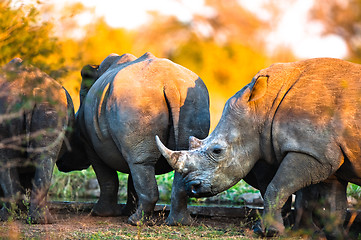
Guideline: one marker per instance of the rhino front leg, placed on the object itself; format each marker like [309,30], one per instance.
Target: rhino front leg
[179,213]
[147,190]
[296,171]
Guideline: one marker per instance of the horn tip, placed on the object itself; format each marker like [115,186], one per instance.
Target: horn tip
[160,144]
[157,139]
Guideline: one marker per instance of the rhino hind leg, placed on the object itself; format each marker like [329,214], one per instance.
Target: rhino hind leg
[107,204]
[38,211]
[331,208]
[304,206]
[10,186]
[179,214]
[322,207]
[42,153]
[147,191]
[132,199]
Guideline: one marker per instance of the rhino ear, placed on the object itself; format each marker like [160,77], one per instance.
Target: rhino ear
[194,143]
[90,71]
[259,88]
[89,75]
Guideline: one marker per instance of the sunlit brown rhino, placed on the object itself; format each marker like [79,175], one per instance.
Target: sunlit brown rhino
[303,119]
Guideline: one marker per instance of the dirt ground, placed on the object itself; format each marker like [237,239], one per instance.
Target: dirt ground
[82,225]
[77,223]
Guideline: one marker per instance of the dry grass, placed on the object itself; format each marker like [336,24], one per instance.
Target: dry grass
[83,226]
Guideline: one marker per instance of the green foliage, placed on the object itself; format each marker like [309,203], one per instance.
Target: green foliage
[354,191]
[165,182]
[18,209]
[23,35]
[70,185]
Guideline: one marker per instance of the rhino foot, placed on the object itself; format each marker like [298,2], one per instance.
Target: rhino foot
[272,232]
[40,219]
[104,210]
[268,232]
[138,219]
[179,219]
[128,210]
[258,229]
[336,234]
[41,216]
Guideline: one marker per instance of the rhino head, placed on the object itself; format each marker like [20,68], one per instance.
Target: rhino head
[216,163]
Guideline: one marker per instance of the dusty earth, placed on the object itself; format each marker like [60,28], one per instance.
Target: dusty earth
[75,222]
[81,225]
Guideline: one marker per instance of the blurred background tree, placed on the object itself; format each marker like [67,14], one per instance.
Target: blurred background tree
[225,48]
[342,18]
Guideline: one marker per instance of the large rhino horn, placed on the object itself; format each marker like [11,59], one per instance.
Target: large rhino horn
[171,156]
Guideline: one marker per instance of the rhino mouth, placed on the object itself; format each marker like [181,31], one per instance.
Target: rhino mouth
[197,188]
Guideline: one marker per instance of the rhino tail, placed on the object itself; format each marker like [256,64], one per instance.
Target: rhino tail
[70,108]
[70,118]
[100,122]
[173,98]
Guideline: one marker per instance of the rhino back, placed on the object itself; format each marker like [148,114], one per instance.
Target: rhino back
[162,95]
[320,114]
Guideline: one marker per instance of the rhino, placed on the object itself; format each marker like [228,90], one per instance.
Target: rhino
[35,115]
[302,119]
[124,102]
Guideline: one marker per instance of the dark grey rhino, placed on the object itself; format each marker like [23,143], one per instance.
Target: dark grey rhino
[302,119]
[125,102]
[35,113]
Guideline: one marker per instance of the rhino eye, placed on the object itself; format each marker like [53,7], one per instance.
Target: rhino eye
[217,150]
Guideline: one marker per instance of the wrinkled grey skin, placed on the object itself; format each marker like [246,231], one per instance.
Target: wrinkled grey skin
[302,118]
[126,103]
[35,112]
[319,207]
[322,206]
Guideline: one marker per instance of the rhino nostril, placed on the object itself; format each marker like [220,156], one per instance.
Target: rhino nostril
[195,186]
